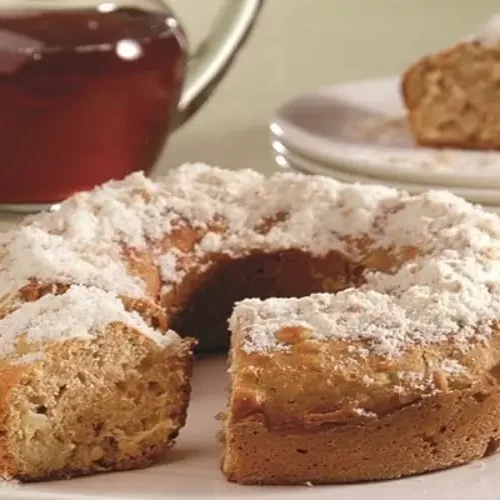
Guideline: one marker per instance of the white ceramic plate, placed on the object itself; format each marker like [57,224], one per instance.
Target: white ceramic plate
[360,127]
[192,471]
[286,157]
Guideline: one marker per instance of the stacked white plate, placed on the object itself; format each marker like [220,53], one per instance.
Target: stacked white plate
[357,132]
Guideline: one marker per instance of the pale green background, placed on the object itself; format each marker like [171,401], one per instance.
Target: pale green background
[299,45]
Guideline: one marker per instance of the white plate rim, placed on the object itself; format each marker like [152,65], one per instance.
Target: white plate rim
[287,162]
[305,168]
[342,154]
[474,195]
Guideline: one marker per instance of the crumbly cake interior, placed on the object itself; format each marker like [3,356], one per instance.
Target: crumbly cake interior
[132,410]
[453,95]
[458,96]
[59,351]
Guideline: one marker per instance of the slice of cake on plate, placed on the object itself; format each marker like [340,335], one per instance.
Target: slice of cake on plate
[453,96]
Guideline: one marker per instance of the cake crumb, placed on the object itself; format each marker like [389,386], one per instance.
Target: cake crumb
[361,412]
[452,366]
[29,358]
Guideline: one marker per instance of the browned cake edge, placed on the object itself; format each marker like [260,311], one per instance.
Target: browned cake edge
[438,432]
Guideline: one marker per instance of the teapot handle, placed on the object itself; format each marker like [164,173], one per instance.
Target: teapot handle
[213,57]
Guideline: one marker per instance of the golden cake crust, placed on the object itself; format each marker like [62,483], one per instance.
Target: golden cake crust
[321,413]
[437,432]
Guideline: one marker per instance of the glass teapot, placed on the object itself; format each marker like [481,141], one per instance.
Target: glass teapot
[89,90]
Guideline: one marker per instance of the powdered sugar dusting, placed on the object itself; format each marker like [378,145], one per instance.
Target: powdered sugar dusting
[83,241]
[452,366]
[361,412]
[81,312]
[387,323]
[448,291]
[29,358]
[31,252]
[169,270]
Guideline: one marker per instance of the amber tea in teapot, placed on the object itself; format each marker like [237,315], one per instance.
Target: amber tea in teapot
[68,79]
[90,90]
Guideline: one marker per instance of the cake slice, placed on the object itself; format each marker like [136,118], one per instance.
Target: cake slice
[325,389]
[453,96]
[87,386]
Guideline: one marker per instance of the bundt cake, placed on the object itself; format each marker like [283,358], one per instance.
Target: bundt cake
[364,340]
[453,96]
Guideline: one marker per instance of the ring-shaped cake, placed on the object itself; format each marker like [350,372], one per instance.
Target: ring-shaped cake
[364,340]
